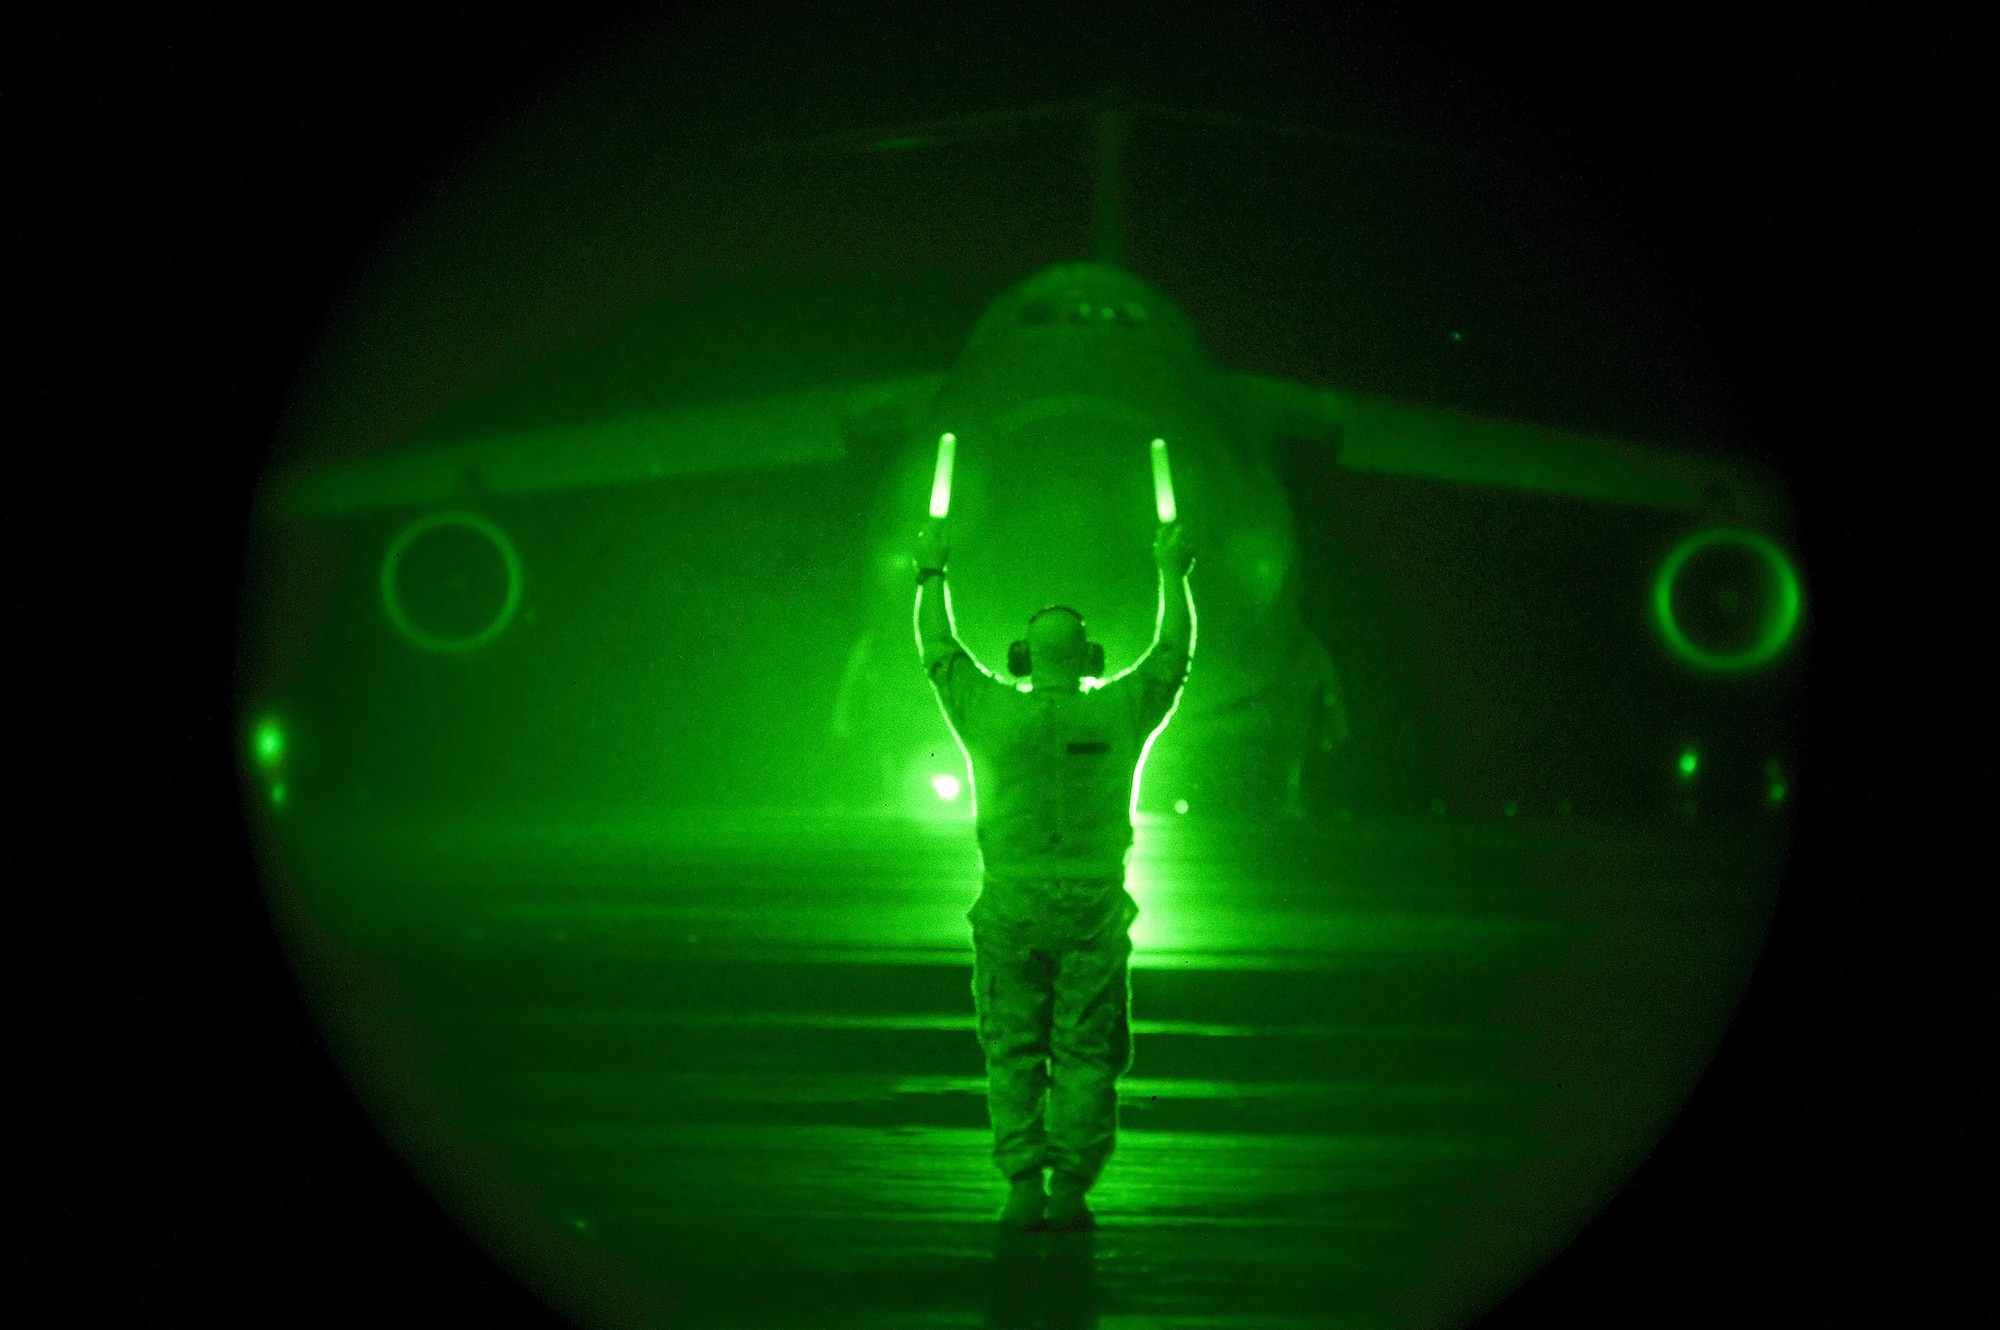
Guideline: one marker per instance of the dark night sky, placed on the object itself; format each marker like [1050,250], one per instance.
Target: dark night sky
[201,190]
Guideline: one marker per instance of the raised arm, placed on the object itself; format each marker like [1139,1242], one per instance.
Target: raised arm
[1160,675]
[936,642]
[1171,556]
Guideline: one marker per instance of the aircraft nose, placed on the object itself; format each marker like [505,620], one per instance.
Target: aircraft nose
[1058,509]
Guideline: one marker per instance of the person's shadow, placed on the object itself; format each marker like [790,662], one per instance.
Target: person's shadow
[1043,1281]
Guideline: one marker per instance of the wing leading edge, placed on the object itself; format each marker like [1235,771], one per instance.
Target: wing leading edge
[1368,433]
[1375,434]
[787,430]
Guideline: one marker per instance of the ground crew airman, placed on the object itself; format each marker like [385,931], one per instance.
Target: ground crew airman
[1052,773]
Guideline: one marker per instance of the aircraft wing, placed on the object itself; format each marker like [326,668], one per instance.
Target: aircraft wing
[784,430]
[1376,434]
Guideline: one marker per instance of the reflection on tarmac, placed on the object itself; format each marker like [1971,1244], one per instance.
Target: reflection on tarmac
[1382,1072]
[1043,1281]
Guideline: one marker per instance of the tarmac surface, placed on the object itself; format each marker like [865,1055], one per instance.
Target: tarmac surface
[721,1070]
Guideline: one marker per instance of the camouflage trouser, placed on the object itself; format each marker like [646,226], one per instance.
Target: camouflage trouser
[1054,1021]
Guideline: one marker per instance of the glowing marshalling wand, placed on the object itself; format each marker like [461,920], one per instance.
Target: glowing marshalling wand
[1163,482]
[941,482]
[947,455]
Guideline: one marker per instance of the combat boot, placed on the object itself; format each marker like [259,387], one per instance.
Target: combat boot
[1066,1212]
[1025,1199]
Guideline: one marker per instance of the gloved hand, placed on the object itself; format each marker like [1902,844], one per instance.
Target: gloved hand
[1170,551]
[933,548]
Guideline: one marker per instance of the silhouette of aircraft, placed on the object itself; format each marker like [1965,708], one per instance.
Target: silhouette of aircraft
[1061,386]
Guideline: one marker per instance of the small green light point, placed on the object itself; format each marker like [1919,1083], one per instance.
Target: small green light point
[1458,337]
[268,742]
[278,795]
[1690,760]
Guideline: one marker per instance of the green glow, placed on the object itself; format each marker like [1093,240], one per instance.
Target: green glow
[1163,482]
[1781,617]
[268,742]
[674,938]
[947,453]
[392,603]
[267,746]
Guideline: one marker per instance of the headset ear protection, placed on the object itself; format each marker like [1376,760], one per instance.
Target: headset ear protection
[1021,664]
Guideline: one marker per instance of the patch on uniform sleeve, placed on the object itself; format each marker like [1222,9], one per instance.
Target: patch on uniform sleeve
[1097,746]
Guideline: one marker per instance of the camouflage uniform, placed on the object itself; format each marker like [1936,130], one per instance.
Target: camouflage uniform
[1053,999]
[1052,773]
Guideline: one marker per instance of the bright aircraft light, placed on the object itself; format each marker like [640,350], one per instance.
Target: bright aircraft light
[946,786]
[1163,481]
[941,482]
[1690,760]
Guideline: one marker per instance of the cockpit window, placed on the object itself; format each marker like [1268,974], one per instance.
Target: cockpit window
[1125,314]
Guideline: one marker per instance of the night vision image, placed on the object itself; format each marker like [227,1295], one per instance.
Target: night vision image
[993,674]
